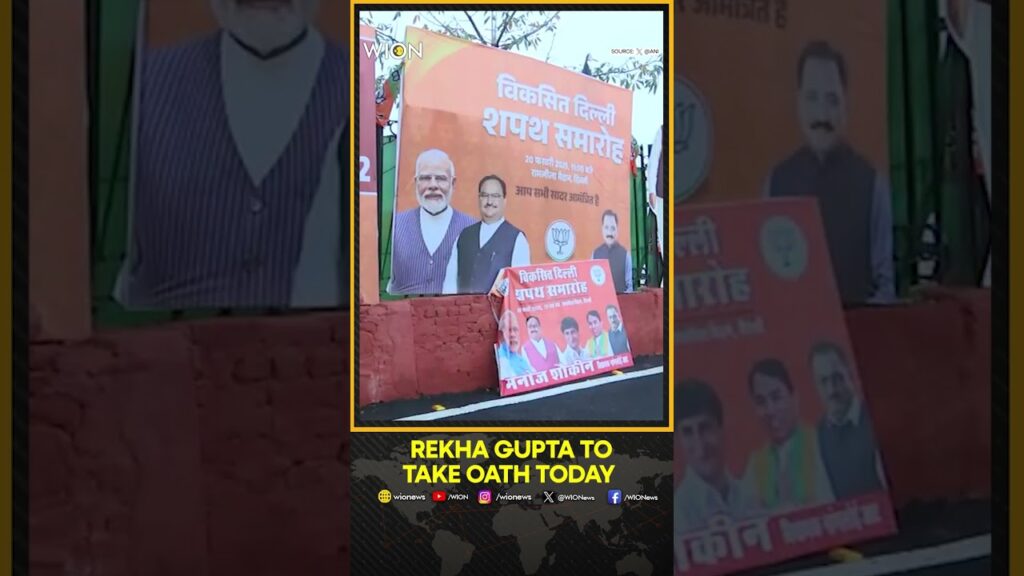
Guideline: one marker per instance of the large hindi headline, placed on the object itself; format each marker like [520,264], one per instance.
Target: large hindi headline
[596,143]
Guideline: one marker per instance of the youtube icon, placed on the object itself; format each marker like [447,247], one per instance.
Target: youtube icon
[439,496]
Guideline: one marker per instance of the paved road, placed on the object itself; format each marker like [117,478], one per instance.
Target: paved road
[923,527]
[630,399]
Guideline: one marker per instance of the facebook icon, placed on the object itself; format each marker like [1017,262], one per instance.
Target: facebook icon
[615,496]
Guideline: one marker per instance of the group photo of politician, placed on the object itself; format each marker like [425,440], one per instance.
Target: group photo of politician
[439,250]
[538,352]
[797,465]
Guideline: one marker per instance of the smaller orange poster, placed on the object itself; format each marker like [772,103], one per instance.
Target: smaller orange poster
[558,323]
[777,456]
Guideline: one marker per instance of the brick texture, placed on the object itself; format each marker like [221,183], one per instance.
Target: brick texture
[219,448]
[451,341]
[211,448]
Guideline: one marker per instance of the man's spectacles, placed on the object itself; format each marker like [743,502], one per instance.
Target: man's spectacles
[426,178]
[491,196]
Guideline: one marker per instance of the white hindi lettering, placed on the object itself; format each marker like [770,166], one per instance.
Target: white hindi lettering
[594,143]
[570,289]
[843,521]
[714,287]
[544,95]
[538,129]
[580,106]
[698,239]
[552,100]
[536,275]
[799,531]
[559,372]
[723,541]
[584,109]
[507,86]
[565,273]
[528,380]
[502,122]
[604,115]
[544,173]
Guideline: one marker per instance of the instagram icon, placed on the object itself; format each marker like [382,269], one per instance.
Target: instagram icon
[483,497]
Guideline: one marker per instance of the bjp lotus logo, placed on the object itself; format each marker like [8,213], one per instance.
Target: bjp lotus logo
[693,139]
[560,240]
[684,126]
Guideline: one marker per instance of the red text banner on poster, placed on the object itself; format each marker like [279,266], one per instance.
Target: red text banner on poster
[758,542]
[771,413]
[558,323]
[369,275]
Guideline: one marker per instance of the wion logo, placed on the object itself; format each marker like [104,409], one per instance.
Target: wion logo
[394,50]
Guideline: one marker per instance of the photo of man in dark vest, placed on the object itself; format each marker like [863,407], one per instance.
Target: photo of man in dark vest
[845,434]
[619,259]
[485,248]
[617,333]
[852,195]
[237,189]
[423,237]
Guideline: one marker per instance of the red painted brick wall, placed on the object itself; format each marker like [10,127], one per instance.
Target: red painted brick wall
[218,448]
[213,448]
[927,373]
[427,346]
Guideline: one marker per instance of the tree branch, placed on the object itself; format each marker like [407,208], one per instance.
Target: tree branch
[437,22]
[504,27]
[471,21]
[552,46]
[388,37]
[526,36]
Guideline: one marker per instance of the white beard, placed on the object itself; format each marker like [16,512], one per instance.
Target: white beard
[261,28]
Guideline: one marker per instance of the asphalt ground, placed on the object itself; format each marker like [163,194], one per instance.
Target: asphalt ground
[941,539]
[637,395]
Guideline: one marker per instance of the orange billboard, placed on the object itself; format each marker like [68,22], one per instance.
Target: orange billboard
[504,160]
[558,323]
[776,454]
[369,275]
[746,100]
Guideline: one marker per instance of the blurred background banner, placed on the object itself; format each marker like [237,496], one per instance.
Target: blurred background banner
[916,101]
[217,203]
[776,450]
[368,166]
[744,92]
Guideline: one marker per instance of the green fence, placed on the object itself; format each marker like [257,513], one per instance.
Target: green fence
[940,209]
